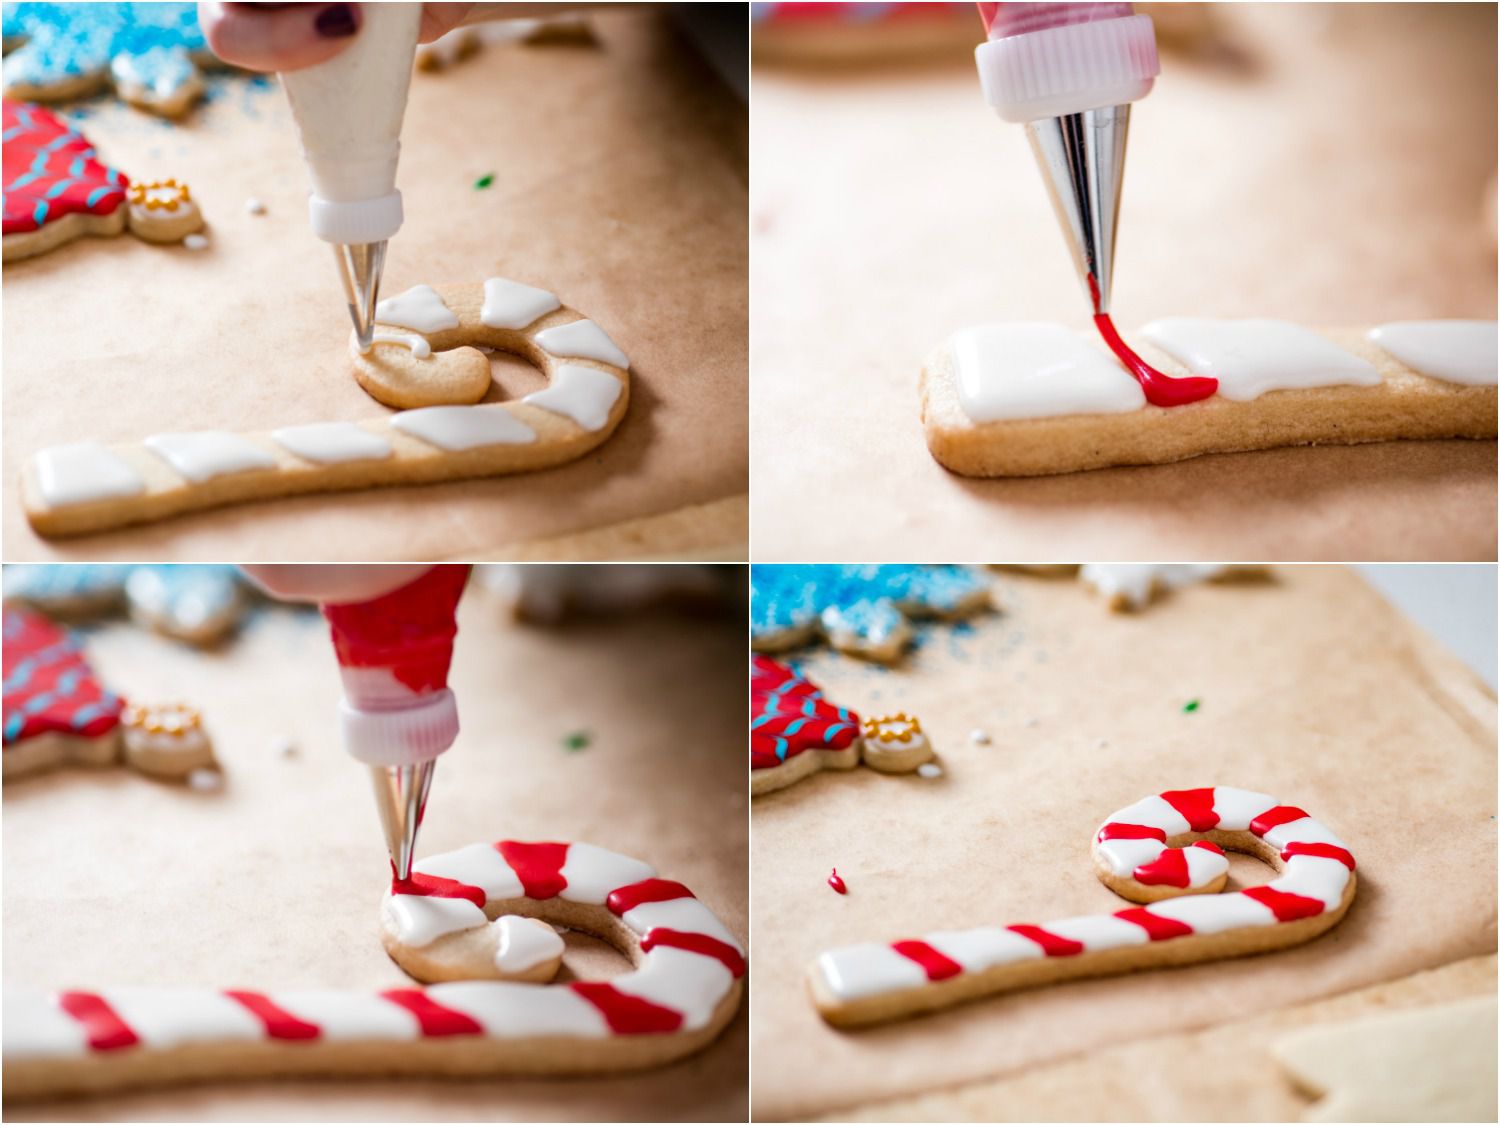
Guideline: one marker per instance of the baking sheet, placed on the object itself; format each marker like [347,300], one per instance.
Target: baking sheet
[1310,687]
[1290,179]
[619,183]
[110,878]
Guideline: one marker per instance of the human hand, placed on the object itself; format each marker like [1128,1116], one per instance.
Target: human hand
[280,37]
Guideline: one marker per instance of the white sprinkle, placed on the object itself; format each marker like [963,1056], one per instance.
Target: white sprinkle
[979,737]
[930,769]
[284,746]
[205,780]
[195,242]
[1103,742]
[1029,723]
[255,206]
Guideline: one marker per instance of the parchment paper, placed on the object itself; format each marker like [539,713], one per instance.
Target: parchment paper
[619,183]
[1310,687]
[891,208]
[111,878]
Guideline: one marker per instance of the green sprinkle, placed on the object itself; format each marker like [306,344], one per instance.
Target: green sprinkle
[484,181]
[578,740]
[1190,706]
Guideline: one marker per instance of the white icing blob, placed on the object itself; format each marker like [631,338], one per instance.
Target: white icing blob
[33,1026]
[196,242]
[420,308]
[205,780]
[332,443]
[583,394]
[525,944]
[1313,876]
[868,969]
[170,1017]
[478,865]
[509,304]
[980,948]
[1251,357]
[1204,866]
[1212,914]
[1098,931]
[1154,813]
[1123,856]
[592,872]
[676,978]
[418,346]
[422,919]
[457,428]
[930,770]
[1236,808]
[1037,370]
[1456,351]
[583,339]
[84,472]
[685,914]
[206,454]
[350,1015]
[255,206]
[979,737]
[509,1010]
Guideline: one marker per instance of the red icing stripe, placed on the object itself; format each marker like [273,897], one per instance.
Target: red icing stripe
[105,1029]
[622,899]
[626,1014]
[1157,928]
[279,1023]
[1208,846]
[538,866]
[435,886]
[1052,945]
[434,1019]
[696,943]
[1132,832]
[1196,807]
[1170,869]
[1287,907]
[1272,818]
[937,965]
[1326,851]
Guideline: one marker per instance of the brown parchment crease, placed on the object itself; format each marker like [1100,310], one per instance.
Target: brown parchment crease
[619,183]
[111,878]
[1311,688]
[1286,177]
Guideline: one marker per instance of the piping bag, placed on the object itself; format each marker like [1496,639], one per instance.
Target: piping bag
[348,112]
[393,630]
[1069,73]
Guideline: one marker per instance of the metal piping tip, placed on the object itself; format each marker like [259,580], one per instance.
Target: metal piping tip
[1082,156]
[360,267]
[401,798]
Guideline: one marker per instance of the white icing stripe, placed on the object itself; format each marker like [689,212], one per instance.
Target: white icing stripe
[478,865]
[349,1015]
[83,473]
[1213,914]
[415,344]
[525,943]
[1303,831]
[1456,351]
[509,304]
[592,873]
[1314,877]
[332,443]
[422,919]
[1204,866]
[1238,807]
[170,1017]
[685,914]
[1007,371]
[681,980]
[1124,856]
[584,394]
[1098,932]
[868,970]
[1253,357]
[421,308]
[1153,812]
[207,454]
[981,948]
[457,428]
[34,1027]
[521,1011]
[583,339]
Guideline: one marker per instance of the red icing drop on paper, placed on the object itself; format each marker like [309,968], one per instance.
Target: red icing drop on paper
[837,883]
[721,951]
[50,171]
[410,630]
[1115,831]
[1157,928]
[435,886]
[279,1023]
[434,1019]
[105,1030]
[936,964]
[1196,807]
[1170,869]
[626,1014]
[1052,944]
[1325,851]
[1161,389]
[622,899]
[1287,907]
[1275,818]
[538,866]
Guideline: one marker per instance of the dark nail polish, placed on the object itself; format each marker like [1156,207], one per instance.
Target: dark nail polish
[336,21]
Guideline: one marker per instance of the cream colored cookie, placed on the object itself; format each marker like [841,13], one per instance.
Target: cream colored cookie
[895,743]
[1403,404]
[166,740]
[163,211]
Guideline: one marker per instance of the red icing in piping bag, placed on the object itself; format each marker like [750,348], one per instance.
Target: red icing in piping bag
[410,630]
[1161,389]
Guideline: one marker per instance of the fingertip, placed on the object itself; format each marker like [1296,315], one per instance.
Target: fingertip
[280,38]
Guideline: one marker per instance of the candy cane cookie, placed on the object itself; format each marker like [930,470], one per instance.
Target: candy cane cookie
[465,913]
[1032,399]
[1166,851]
[85,487]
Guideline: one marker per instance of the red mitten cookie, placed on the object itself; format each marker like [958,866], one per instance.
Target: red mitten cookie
[794,731]
[55,188]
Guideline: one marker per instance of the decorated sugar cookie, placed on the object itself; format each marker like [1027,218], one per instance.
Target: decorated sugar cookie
[1165,851]
[163,211]
[895,743]
[861,610]
[192,602]
[71,592]
[477,920]
[1133,586]
[166,740]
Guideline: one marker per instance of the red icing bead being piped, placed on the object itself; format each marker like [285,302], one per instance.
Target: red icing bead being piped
[1160,389]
